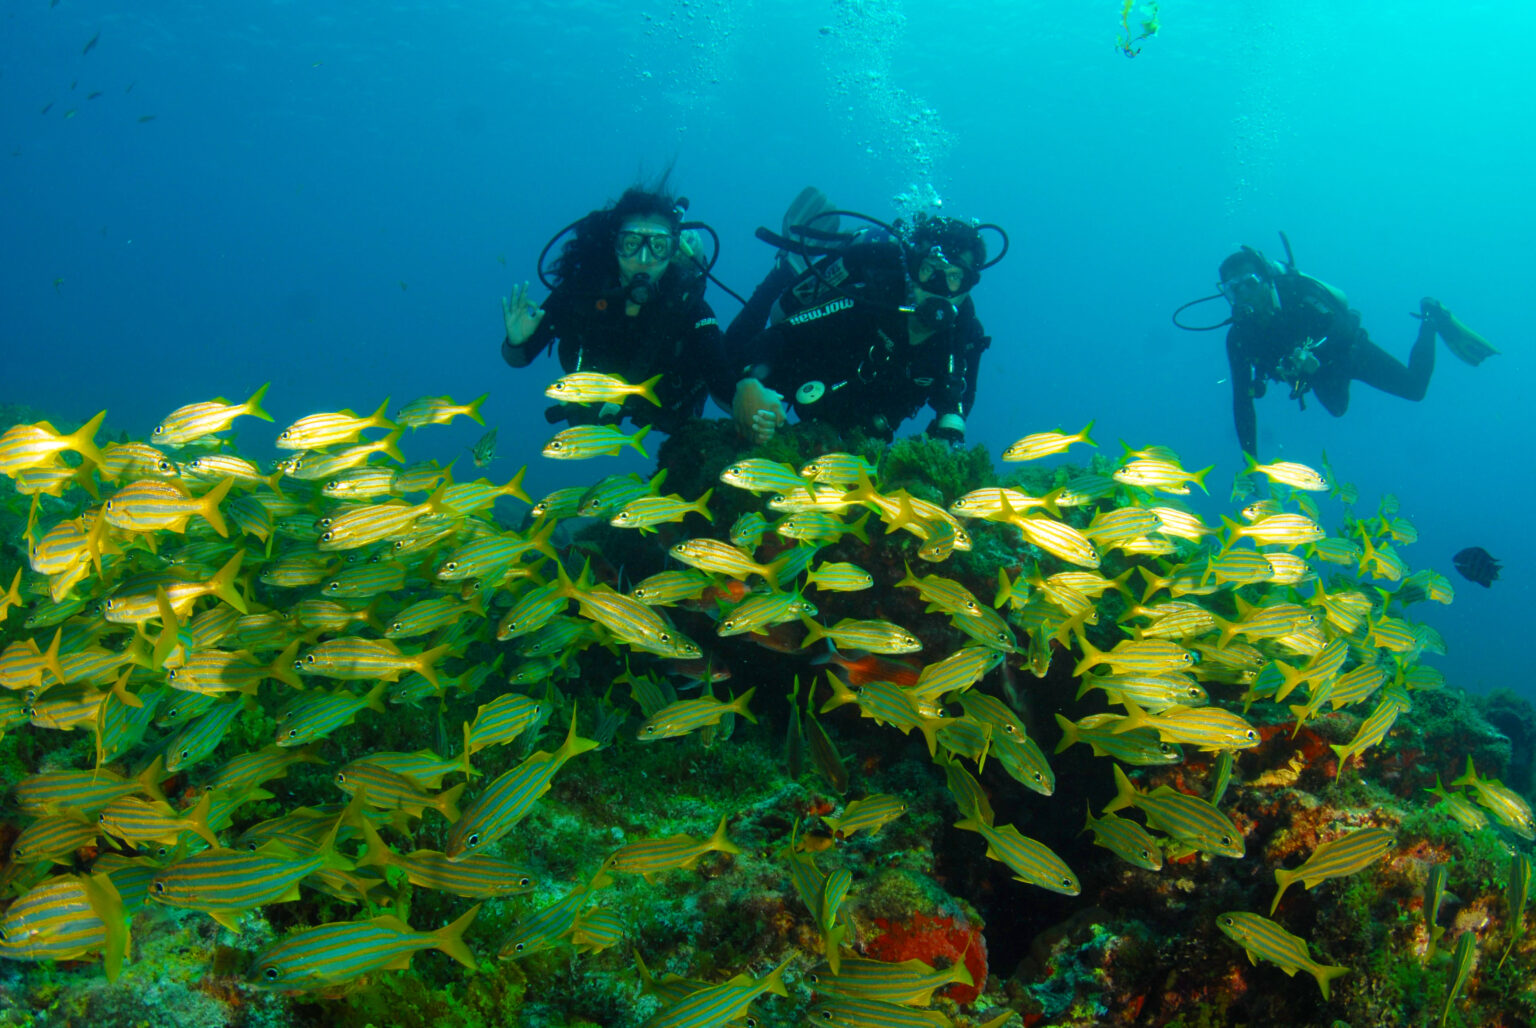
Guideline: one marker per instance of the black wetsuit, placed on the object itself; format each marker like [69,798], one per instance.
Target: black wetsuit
[872,377]
[674,335]
[1260,351]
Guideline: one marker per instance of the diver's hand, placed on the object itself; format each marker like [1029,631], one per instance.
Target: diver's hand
[1433,311]
[758,410]
[522,317]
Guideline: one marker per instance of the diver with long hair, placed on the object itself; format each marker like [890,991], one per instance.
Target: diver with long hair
[1297,330]
[625,298]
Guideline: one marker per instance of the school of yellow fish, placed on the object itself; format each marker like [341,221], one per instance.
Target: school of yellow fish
[174,585]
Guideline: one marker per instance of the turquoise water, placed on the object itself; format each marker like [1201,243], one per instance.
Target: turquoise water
[335,200]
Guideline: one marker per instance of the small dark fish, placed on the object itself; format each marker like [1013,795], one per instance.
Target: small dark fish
[146,117]
[47,107]
[1477,565]
[129,87]
[824,755]
[484,450]
[794,736]
[93,95]
[90,45]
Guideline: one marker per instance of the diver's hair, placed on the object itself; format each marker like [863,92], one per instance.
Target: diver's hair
[587,261]
[955,237]
[1244,258]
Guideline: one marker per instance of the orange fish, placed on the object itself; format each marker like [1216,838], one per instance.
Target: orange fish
[873,667]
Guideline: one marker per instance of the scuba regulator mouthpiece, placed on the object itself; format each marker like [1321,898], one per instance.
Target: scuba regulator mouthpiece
[934,313]
[640,289]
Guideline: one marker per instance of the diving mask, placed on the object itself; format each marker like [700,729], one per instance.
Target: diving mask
[1234,289]
[662,245]
[937,274]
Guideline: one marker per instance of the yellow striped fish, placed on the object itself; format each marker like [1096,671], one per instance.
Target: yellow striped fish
[687,716]
[34,446]
[584,441]
[1261,937]
[341,951]
[652,857]
[65,918]
[1189,819]
[1031,862]
[317,431]
[508,799]
[1209,728]
[472,877]
[1125,839]
[869,814]
[162,504]
[195,420]
[596,387]
[1044,444]
[1336,858]
[910,983]
[717,1004]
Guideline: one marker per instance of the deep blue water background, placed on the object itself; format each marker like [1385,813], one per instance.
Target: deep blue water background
[334,196]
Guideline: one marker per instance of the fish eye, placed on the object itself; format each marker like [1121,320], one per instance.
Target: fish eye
[473,840]
[519,947]
[452,565]
[185,754]
[293,733]
[525,880]
[1250,734]
[109,505]
[341,778]
[1227,921]
[159,888]
[1067,882]
[269,973]
[159,430]
[309,658]
[1226,840]
[397,626]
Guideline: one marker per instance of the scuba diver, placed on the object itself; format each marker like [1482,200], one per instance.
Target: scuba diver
[1295,329]
[864,327]
[626,298]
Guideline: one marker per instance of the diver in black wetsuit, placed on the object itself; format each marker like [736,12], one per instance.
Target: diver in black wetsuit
[879,325]
[626,299]
[1295,329]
